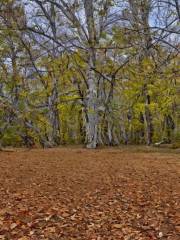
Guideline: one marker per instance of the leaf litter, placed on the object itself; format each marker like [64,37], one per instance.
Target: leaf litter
[104,194]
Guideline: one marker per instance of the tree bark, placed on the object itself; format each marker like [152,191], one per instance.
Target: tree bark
[91,106]
[91,99]
[148,120]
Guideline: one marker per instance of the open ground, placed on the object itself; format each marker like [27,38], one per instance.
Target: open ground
[104,194]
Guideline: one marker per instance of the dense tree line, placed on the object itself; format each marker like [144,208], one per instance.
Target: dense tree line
[99,72]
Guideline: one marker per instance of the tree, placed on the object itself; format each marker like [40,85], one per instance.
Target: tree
[88,71]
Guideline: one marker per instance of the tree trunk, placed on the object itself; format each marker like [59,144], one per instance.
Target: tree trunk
[54,98]
[91,99]
[54,115]
[91,106]
[148,119]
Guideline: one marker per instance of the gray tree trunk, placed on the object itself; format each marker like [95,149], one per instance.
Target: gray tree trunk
[148,120]
[91,106]
[54,98]
[54,115]
[91,101]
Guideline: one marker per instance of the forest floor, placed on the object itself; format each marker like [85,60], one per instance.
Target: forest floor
[74,193]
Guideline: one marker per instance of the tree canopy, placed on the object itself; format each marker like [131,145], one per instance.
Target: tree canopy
[101,72]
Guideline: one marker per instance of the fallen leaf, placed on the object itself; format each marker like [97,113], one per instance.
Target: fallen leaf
[51,229]
[13,225]
[23,238]
[73,217]
[117,226]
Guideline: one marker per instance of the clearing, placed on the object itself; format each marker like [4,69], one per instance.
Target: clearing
[74,193]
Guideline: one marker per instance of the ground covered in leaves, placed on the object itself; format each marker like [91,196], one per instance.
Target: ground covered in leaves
[84,194]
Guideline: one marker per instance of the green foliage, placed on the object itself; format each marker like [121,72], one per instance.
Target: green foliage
[11,138]
[44,93]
